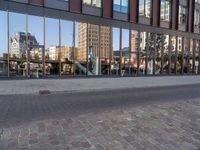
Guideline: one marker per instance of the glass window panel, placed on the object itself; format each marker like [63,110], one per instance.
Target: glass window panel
[88,2]
[185,52]
[141,7]
[173,54]
[197,18]
[35,45]
[166,54]
[105,45]
[191,56]
[121,5]
[179,55]
[17,44]
[124,6]
[67,49]
[93,51]
[116,4]
[150,53]
[148,8]
[115,65]
[134,52]
[165,10]
[125,60]
[197,49]
[158,54]
[81,49]
[3,44]
[52,47]
[142,53]
[183,15]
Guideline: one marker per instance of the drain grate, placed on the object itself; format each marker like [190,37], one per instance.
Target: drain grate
[44,92]
[1,133]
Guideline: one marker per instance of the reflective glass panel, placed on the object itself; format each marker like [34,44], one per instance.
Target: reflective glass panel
[67,49]
[115,65]
[35,45]
[133,68]
[150,53]
[93,51]
[166,54]
[17,44]
[105,49]
[125,60]
[3,44]
[142,53]
[179,55]
[173,54]
[81,49]
[52,47]
[158,54]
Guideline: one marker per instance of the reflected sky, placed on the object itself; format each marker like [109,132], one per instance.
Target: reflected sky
[35,27]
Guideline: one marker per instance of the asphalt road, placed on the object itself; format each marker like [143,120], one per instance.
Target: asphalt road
[18,109]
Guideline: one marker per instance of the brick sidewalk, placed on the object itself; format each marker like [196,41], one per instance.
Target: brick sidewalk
[166,126]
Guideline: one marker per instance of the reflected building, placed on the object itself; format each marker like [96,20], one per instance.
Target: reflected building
[17,45]
[99,38]
[93,41]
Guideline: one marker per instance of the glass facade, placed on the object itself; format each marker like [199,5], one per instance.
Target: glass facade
[37,47]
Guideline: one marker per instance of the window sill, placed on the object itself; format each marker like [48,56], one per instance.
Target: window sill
[120,16]
[90,10]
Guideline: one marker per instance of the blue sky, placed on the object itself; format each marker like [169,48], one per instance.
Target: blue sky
[35,27]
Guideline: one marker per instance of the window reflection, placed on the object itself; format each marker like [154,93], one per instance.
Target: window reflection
[105,49]
[121,5]
[81,49]
[166,54]
[134,53]
[165,13]
[186,55]
[191,56]
[197,55]
[125,60]
[115,65]
[179,55]
[17,45]
[67,49]
[145,8]
[165,10]
[173,54]
[3,45]
[52,47]
[94,3]
[158,54]
[35,45]
[142,53]
[150,53]
[183,17]
[93,51]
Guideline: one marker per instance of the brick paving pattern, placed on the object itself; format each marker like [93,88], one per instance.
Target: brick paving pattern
[173,125]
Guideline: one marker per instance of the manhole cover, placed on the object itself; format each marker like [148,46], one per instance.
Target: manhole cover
[44,92]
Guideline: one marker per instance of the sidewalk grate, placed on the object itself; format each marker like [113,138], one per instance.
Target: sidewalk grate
[44,92]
